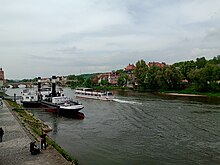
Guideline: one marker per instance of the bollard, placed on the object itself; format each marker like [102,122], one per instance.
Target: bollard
[14,97]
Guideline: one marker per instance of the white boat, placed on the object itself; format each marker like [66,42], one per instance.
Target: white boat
[62,105]
[30,98]
[45,92]
[57,102]
[92,94]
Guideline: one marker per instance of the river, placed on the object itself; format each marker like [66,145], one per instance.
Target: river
[139,129]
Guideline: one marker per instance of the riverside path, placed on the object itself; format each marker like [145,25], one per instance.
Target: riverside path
[14,149]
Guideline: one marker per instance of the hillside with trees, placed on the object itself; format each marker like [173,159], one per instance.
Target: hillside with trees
[199,76]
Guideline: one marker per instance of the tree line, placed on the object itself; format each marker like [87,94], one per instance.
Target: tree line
[201,75]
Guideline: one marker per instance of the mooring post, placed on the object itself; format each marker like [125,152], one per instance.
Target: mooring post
[14,97]
[53,86]
[39,88]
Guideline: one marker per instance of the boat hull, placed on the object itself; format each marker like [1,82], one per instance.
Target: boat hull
[95,97]
[63,110]
[31,104]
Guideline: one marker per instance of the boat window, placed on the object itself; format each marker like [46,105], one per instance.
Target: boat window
[110,94]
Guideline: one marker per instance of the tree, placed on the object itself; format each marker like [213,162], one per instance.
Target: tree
[169,78]
[104,82]
[141,73]
[123,79]
[119,71]
[186,67]
[88,83]
[152,77]
[215,60]
[206,78]
[71,77]
[200,62]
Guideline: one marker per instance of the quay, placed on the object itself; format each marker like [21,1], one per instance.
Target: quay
[14,149]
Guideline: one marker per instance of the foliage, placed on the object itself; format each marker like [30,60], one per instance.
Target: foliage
[186,68]
[172,77]
[123,79]
[206,78]
[201,62]
[104,82]
[215,60]
[88,83]
[153,78]
[141,73]
[76,81]
[120,71]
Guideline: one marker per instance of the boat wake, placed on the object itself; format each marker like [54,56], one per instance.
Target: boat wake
[126,101]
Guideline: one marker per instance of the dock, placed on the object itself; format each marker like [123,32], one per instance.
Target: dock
[15,144]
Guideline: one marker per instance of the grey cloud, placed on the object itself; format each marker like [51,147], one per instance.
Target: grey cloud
[69,36]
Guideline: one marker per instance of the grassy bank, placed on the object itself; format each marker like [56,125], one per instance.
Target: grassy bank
[35,126]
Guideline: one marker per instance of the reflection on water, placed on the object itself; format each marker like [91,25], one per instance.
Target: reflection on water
[140,129]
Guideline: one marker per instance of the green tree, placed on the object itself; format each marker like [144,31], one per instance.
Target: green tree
[201,62]
[152,78]
[71,77]
[104,82]
[120,71]
[88,83]
[140,73]
[123,79]
[169,78]
[186,67]
[206,78]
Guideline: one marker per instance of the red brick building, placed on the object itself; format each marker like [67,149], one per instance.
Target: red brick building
[2,78]
[2,75]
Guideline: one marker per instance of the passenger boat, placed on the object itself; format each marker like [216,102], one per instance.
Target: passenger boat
[92,94]
[62,105]
[30,98]
[57,102]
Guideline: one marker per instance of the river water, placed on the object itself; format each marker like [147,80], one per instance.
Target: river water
[139,129]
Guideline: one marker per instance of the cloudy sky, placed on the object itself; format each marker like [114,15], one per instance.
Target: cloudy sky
[63,37]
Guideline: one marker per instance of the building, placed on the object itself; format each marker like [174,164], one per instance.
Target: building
[130,68]
[110,77]
[2,79]
[2,76]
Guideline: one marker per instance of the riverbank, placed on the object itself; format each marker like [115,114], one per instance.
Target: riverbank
[182,94]
[190,94]
[21,127]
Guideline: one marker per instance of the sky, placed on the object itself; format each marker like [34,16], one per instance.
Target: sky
[54,37]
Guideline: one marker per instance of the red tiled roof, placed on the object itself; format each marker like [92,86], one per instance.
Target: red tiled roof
[161,65]
[130,67]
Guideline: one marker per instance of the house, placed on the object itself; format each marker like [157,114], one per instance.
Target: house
[130,71]
[110,77]
[130,68]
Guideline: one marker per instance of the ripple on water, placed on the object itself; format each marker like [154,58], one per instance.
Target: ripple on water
[157,131]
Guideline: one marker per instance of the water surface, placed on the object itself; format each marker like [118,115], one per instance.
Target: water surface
[140,129]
